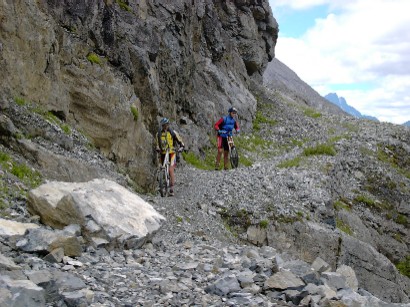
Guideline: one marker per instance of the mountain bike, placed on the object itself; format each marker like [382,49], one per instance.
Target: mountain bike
[233,154]
[163,174]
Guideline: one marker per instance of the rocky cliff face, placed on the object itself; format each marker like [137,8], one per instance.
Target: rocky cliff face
[92,62]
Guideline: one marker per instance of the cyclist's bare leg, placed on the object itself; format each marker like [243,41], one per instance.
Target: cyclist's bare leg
[218,157]
[226,159]
[172,176]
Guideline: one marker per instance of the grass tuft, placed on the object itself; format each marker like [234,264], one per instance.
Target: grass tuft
[295,162]
[94,58]
[134,112]
[404,266]
[321,149]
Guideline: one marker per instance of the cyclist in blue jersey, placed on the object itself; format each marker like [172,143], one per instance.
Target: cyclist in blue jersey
[224,127]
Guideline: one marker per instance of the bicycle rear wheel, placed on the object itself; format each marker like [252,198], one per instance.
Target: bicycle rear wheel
[234,157]
[163,182]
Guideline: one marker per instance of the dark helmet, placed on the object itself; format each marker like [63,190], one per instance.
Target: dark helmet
[164,121]
[232,109]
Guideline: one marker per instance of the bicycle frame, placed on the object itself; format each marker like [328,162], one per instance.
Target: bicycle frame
[230,142]
[164,177]
[233,154]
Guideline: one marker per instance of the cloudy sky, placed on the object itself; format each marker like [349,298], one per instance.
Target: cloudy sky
[359,49]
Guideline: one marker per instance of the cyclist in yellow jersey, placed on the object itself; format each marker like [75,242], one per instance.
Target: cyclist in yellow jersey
[168,138]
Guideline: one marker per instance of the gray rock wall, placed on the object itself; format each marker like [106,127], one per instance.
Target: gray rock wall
[165,58]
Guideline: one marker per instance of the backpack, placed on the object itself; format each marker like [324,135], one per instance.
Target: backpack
[171,131]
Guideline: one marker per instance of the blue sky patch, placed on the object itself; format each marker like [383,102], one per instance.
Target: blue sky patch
[294,23]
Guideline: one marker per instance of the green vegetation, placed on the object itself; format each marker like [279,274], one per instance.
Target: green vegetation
[4,158]
[264,224]
[297,143]
[363,199]
[208,163]
[404,266]
[351,128]
[134,112]
[398,238]
[295,162]
[94,58]
[287,219]
[344,227]
[261,119]
[395,156]
[337,138]
[369,202]
[312,113]
[401,219]
[15,187]
[249,147]
[340,205]
[20,101]
[28,176]
[321,149]
[179,219]
[236,221]
[66,128]
[123,5]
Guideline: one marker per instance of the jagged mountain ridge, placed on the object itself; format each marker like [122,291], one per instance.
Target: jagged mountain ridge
[341,103]
[266,191]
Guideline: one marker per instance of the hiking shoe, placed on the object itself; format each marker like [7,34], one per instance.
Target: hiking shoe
[171,192]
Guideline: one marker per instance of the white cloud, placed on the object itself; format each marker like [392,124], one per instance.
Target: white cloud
[364,41]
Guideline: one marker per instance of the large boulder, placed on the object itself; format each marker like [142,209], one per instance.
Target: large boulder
[104,209]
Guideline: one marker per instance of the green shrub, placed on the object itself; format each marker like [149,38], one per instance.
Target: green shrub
[94,58]
[321,149]
[404,266]
[134,112]
[263,224]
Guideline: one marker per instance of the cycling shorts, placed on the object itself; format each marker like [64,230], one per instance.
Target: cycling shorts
[222,143]
[172,159]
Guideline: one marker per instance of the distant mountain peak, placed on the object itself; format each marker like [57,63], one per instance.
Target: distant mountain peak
[341,103]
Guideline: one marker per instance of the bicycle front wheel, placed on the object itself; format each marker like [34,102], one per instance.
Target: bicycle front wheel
[234,157]
[163,182]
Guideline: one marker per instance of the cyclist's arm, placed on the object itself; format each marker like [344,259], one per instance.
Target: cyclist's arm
[218,124]
[179,139]
[236,126]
